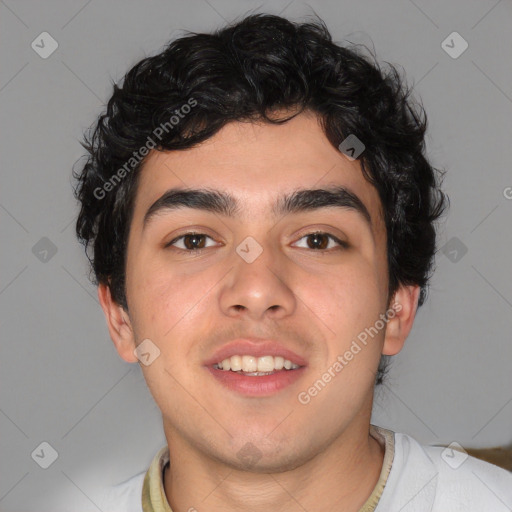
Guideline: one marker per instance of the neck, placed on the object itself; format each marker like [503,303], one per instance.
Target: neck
[341,477]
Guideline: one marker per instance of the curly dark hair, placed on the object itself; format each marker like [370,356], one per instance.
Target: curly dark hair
[248,71]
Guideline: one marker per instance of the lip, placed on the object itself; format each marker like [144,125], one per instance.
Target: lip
[256,348]
[262,386]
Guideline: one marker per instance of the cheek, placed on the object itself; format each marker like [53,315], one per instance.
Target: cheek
[166,302]
[347,299]
[348,303]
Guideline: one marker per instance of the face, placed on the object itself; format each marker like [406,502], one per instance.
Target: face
[259,277]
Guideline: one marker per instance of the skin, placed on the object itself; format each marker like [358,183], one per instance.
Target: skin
[317,456]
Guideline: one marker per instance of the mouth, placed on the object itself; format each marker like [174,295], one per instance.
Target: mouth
[255,369]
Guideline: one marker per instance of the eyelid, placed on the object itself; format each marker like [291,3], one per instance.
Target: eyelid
[341,243]
[188,233]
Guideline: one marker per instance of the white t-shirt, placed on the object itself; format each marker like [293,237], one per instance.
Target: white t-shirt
[414,478]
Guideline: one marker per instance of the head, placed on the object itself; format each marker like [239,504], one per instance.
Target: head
[235,136]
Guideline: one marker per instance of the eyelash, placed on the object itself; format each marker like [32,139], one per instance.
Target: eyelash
[341,243]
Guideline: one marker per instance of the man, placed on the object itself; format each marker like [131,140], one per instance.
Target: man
[262,215]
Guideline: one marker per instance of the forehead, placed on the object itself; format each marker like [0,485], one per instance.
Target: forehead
[256,162]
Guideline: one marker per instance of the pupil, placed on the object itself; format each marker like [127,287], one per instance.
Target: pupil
[192,241]
[316,238]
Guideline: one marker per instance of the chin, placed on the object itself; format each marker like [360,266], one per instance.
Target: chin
[266,457]
[267,464]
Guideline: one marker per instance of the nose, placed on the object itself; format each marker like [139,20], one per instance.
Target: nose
[258,289]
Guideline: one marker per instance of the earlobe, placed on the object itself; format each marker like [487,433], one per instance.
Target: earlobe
[118,323]
[401,314]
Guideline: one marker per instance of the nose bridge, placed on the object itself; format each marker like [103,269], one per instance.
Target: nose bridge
[256,284]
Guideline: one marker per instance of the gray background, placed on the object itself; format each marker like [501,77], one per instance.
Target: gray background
[62,381]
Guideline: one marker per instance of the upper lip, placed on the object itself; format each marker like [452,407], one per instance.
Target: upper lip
[254,347]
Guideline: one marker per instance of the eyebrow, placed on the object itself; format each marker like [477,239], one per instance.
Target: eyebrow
[223,203]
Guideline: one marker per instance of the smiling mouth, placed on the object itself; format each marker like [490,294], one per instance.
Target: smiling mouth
[253,376]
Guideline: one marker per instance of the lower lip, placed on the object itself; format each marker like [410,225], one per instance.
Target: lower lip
[264,385]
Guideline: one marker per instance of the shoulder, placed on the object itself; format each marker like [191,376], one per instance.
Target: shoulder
[468,483]
[447,479]
[124,497]
[129,495]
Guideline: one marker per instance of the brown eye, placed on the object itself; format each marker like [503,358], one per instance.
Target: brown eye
[321,241]
[194,241]
[190,242]
[317,241]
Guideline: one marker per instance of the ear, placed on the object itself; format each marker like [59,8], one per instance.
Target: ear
[118,324]
[404,304]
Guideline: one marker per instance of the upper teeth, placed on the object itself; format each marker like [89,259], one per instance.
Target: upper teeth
[256,364]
